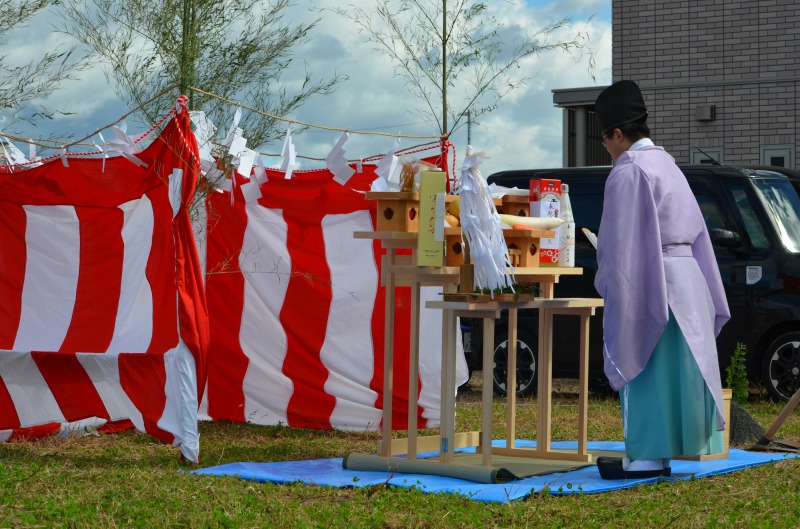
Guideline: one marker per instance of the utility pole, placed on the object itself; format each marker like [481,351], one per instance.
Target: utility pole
[469,127]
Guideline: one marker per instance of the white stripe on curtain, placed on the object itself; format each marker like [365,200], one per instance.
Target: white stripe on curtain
[52,239]
[20,374]
[347,351]
[103,370]
[266,265]
[134,324]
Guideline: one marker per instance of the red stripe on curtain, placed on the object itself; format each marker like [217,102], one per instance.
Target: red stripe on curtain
[193,322]
[160,272]
[143,377]
[12,270]
[70,385]
[8,412]
[115,426]
[99,281]
[304,316]
[35,432]
[225,296]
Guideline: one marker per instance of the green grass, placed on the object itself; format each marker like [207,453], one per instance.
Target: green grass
[131,480]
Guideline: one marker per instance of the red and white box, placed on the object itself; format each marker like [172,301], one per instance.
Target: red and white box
[545,198]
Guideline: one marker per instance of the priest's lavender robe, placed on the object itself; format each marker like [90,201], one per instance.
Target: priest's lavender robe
[651,222]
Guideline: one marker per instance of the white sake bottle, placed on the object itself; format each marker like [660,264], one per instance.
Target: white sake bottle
[566,232]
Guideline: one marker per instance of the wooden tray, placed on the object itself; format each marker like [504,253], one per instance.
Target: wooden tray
[474,297]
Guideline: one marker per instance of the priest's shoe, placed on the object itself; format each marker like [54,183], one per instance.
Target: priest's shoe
[611,468]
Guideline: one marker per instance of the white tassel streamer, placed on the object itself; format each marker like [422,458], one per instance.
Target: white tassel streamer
[481,228]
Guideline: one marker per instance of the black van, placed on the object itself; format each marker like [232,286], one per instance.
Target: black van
[753,217]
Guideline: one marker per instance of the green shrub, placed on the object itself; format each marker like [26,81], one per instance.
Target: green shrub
[737,375]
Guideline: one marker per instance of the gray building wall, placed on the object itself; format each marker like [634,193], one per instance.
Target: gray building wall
[741,57]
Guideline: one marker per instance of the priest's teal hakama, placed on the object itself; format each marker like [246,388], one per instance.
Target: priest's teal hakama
[664,306]
[658,421]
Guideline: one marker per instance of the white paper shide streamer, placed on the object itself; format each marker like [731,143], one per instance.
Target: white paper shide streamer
[288,152]
[481,228]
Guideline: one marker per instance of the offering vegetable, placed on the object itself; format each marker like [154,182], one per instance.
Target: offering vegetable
[539,223]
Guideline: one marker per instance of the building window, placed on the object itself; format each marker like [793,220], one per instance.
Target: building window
[777,155]
[709,155]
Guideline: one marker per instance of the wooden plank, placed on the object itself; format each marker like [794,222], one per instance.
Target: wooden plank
[583,384]
[413,371]
[391,195]
[487,408]
[492,314]
[388,354]
[511,383]
[534,453]
[430,443]
[545,287]
[447,414]
[438,275]
[548,271]
[407,236]
[544,395]
[573,311]
[785,412]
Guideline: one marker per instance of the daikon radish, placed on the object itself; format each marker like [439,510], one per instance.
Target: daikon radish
[539,223]
[527,228]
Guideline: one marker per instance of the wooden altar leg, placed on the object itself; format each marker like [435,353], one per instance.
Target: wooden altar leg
[545,380]
[413,370]
[546,289]
[511,383]
[388,353]
[583,380]
[447,425]
[488,392]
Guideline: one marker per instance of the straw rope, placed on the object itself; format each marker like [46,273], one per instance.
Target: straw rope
[51,144]
[287,120]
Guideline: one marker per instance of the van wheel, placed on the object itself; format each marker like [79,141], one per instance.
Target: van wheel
[780,371]
[527,364]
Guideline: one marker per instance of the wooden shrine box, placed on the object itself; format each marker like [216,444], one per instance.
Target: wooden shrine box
[727,394]
[398,211]
[453,249]
[518,205]
[523,246]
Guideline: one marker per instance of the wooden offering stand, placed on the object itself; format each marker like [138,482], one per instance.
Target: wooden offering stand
[523,246]
[397,230]
[490,311]
[518,205]
[397,226]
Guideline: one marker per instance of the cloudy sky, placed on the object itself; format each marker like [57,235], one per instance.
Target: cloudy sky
[524,131]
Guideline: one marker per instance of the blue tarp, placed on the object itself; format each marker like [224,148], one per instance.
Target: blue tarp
[329,472]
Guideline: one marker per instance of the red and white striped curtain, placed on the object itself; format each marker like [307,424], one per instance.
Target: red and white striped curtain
[105,318]
[103,314]
[297,310]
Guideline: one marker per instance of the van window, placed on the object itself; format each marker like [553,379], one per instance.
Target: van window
[783,208]
[586,200]
[758,239]
[710,210]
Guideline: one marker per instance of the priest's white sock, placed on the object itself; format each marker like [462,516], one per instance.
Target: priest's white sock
[642,464]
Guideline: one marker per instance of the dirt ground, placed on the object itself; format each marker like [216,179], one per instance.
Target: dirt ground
[471,391]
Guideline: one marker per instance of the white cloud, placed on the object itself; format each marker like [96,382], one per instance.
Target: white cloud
[524,131]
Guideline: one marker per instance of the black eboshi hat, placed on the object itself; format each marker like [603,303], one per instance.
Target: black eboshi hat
[620,104]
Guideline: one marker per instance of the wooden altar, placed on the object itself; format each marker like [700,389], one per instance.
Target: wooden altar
[396,218]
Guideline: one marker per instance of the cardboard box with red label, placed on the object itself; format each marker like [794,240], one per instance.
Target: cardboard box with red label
[545,199]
